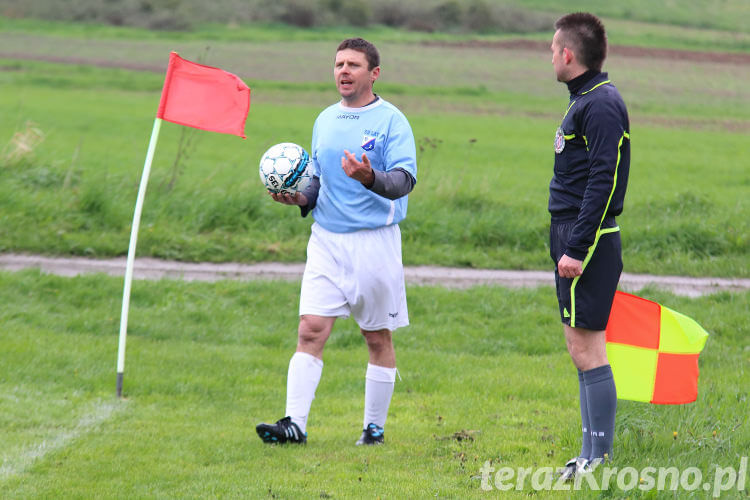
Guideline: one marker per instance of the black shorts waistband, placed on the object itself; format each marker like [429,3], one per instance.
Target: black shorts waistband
[609,221]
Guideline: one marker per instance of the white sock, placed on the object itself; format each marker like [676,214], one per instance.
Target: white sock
[301,383]
[379,383]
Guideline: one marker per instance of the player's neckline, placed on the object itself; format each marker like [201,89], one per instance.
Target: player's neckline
[377,102]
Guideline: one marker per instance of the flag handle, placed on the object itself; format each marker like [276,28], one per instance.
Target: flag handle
[131,255]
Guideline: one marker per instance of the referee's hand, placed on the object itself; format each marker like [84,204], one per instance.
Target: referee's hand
[569,267]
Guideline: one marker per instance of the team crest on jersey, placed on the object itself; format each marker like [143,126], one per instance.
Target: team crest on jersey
[368,142]
[559,140]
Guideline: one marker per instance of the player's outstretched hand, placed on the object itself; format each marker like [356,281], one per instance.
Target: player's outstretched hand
[290,199]
[359,170]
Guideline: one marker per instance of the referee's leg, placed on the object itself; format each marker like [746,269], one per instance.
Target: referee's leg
[588,349]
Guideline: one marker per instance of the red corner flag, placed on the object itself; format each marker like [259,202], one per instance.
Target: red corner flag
[204,97]
[196,96]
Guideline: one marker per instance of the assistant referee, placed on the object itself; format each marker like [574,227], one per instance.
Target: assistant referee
[587,191]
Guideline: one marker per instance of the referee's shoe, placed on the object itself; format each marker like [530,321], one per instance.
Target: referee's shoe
[283,431]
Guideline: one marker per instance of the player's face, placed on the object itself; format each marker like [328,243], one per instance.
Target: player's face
[353,79]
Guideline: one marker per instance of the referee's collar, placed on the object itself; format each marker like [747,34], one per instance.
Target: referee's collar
[578,83]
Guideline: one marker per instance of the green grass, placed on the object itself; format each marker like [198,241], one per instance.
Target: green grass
[485,377]
[485,373]
[484,167]
[483,164]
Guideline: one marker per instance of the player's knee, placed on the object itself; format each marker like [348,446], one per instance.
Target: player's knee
[378,340]
[313,330]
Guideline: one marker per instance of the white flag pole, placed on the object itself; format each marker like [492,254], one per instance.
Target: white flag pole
[131,255]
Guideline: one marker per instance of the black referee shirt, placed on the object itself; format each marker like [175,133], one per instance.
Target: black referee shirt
[592,160]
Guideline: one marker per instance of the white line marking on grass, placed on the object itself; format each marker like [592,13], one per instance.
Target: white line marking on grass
[89,422]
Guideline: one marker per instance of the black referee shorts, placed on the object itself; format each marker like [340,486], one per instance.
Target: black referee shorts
[586,300]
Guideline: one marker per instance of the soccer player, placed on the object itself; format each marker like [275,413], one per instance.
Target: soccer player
[364,166]
[592,160]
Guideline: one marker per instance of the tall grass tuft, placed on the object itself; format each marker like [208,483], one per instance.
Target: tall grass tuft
[20,149]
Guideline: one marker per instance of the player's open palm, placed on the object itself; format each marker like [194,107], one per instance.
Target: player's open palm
[358,170]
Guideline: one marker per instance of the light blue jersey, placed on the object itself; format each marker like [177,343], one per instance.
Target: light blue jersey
[382,132]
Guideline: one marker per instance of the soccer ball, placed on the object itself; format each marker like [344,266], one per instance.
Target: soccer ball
[284,168]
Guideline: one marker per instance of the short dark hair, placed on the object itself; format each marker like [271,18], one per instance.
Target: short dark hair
[584,34]
[362,45]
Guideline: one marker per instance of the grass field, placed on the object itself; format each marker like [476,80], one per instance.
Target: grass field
[485,375]
[206,362]
[482,131]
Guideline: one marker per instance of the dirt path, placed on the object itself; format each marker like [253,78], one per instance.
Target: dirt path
[148,268]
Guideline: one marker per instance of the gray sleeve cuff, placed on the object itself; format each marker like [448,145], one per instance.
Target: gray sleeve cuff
[311,193]
[392,184]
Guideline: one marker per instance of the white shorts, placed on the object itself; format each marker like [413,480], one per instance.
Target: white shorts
[358,273]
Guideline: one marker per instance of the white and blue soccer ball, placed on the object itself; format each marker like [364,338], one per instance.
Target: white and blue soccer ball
[285,168]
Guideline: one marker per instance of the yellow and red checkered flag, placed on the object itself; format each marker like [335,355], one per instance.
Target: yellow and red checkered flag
[653,351]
